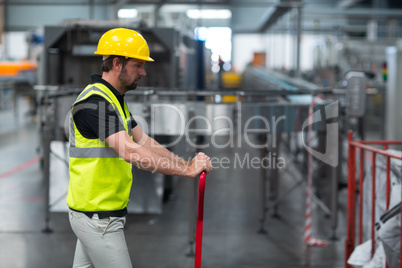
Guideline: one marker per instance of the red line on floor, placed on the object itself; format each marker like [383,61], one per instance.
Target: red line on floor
[20,167]
[31,199]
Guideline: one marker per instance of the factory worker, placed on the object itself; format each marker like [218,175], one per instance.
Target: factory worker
[104,142]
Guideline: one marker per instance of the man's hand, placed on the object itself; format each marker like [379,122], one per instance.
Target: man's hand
[201,162]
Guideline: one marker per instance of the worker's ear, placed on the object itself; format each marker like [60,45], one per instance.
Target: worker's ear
[117,64]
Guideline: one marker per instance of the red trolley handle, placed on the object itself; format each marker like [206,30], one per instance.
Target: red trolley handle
[200,220]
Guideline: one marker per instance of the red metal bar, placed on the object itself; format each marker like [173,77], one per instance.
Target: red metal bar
[373,198]
[375,150]
[200,220]
[400,239]
[361,196]
[393,142]
[350,237]
[388,186]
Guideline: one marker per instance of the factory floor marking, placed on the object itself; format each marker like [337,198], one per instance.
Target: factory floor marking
[20,167]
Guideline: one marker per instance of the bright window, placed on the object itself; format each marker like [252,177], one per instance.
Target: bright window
[218,39]
[127,13]
[209,13]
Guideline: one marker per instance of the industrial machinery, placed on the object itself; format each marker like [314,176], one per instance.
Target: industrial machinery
[16,79]
[69,57]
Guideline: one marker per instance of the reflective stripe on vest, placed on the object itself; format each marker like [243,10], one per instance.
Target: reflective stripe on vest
[95,152]
[100,180]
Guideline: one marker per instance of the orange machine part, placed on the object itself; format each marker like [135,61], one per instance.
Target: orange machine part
[11,68]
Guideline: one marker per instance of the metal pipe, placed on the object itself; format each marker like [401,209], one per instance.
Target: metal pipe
[374,150]
[3,20]
[110,2]
[373,198]
[46,139]
[192,218]
[298,39]
[263,187]
[362,12]
[200,220]
[388,183]
[392,142]
[400,238]
[91,8]
[55,91]
[350,234]
[387,187]
[335,177]
[192,201]
[361,196]
[274,174]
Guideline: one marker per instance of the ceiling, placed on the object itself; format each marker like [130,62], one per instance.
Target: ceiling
[342,17]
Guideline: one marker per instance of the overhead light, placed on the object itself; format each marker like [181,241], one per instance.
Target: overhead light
[209,13]
[127,13]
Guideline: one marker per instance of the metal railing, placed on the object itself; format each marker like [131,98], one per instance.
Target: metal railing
[365,147]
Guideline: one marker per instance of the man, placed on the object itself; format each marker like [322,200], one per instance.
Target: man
[104,142]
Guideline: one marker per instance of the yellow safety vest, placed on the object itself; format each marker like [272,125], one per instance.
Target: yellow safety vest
[100,180]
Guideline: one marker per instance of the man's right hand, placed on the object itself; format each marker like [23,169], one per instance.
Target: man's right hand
[201,162]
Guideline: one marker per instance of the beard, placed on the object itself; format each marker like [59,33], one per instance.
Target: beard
[124,80]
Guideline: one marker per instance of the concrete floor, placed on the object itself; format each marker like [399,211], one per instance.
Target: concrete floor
[160,240]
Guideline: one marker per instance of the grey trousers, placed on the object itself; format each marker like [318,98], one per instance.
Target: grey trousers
[101,242]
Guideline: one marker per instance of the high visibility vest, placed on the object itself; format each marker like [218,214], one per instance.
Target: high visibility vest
[100,180]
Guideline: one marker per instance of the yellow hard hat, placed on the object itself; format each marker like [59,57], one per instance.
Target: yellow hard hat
[123,42]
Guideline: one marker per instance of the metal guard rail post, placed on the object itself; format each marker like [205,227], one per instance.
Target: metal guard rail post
[363,146]
[200,220]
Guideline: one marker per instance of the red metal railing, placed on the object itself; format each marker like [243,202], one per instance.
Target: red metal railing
[365,146]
